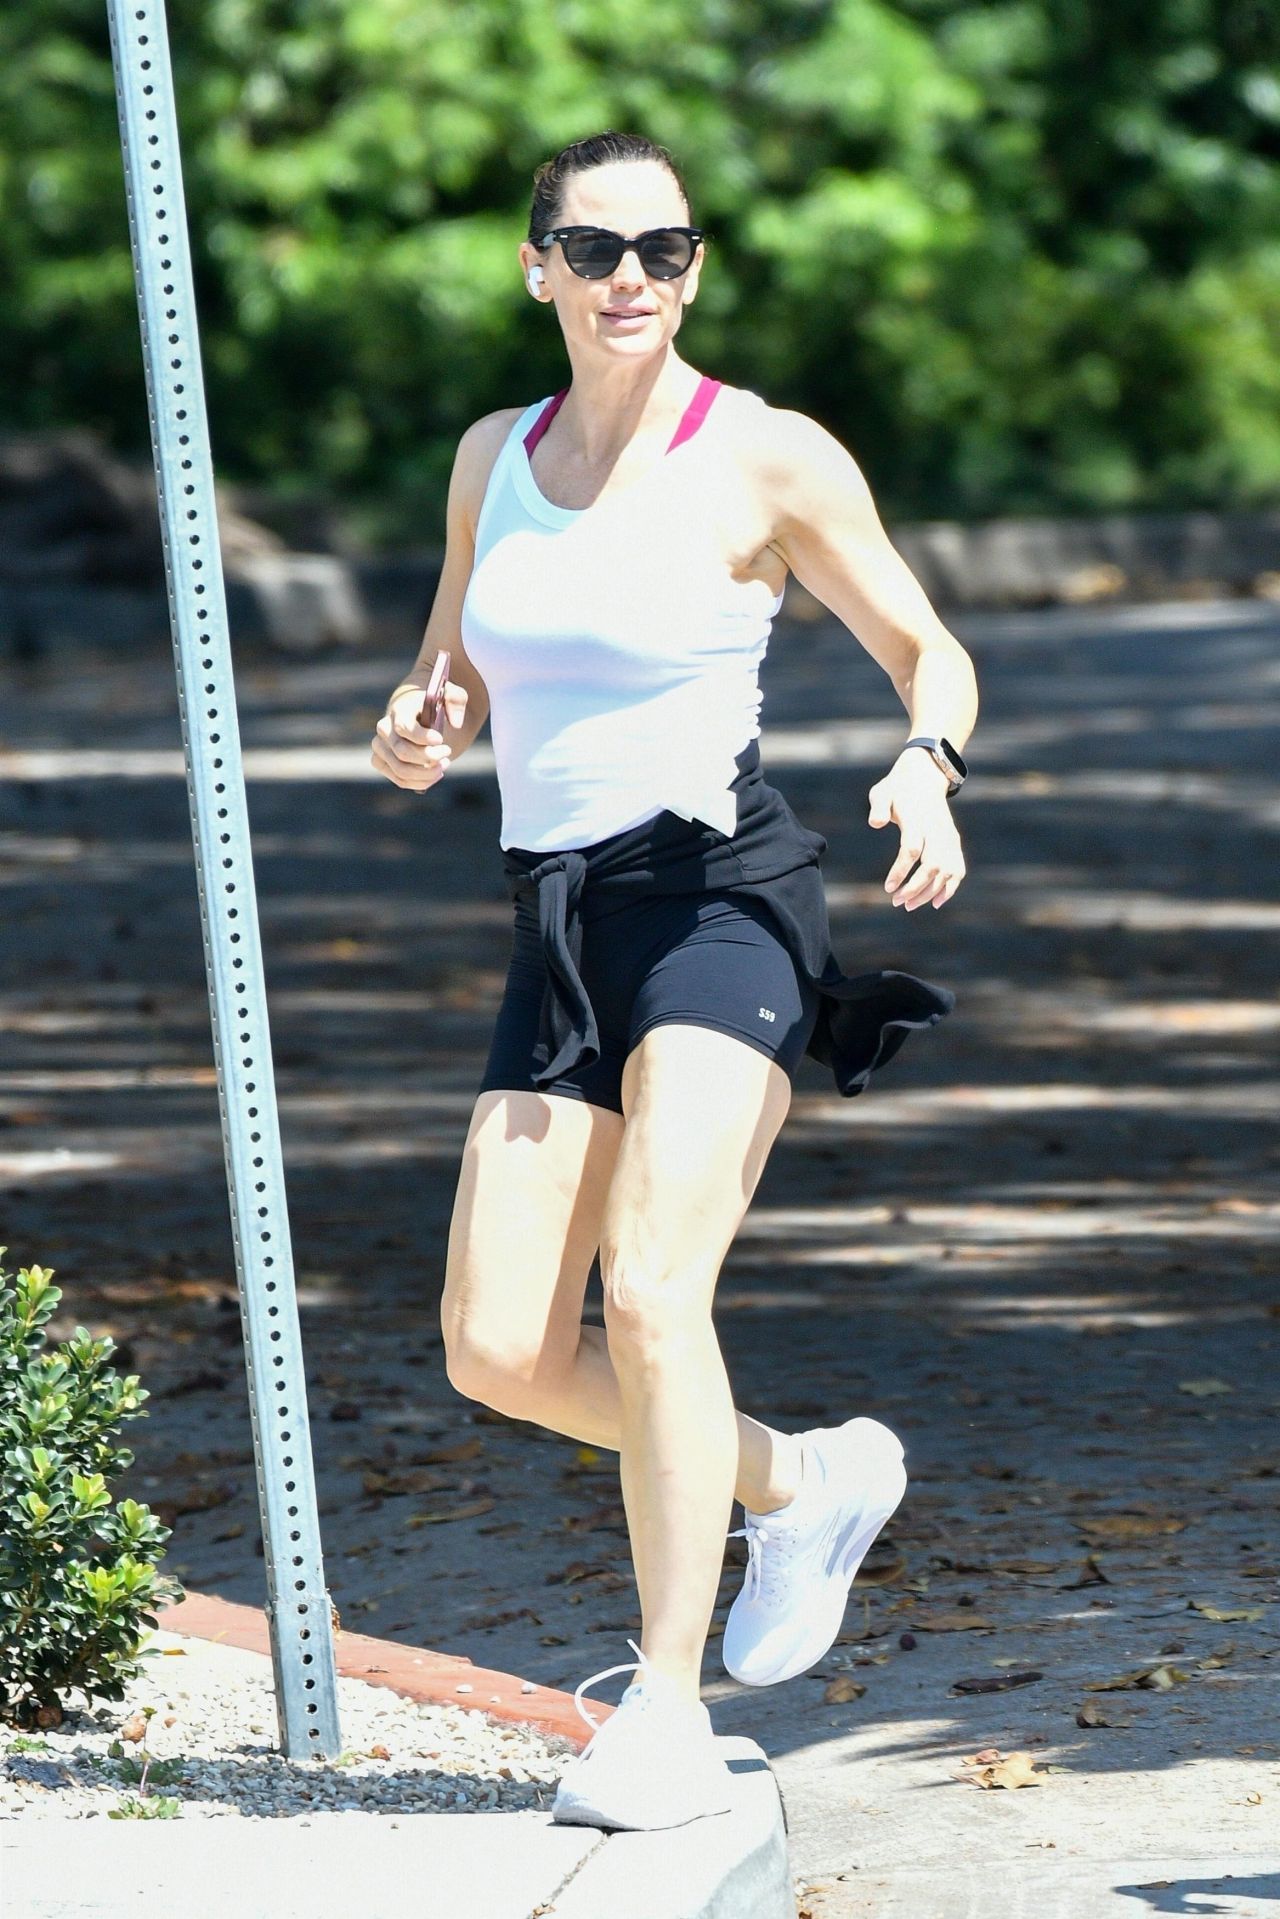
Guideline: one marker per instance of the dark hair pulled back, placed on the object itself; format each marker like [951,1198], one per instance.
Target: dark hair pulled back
[598,150]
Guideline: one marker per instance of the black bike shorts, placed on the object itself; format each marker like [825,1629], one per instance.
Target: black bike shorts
[707,959]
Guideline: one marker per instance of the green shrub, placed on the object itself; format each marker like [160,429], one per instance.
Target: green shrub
[76,1574]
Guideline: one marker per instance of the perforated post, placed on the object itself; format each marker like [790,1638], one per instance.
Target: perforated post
[298,1604]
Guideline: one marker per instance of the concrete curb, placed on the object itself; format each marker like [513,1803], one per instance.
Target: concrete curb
[431,1678]
[733,1866]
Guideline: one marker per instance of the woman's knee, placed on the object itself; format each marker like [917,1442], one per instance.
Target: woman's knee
[655,1288]
[492,1379]
[508,1367]
[523,1235]
[703,1111]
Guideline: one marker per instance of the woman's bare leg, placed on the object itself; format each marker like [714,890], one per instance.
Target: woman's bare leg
[588,1406]
[535,1176]
[703,1110]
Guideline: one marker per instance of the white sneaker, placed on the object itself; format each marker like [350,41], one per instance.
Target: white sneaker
[801,1559]
[653,1763]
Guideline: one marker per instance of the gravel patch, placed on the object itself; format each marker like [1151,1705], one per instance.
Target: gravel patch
[212,1740]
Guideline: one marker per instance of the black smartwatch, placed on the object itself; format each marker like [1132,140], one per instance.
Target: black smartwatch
[943,755]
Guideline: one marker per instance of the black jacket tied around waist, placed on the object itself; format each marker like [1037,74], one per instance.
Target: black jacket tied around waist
[862,1020]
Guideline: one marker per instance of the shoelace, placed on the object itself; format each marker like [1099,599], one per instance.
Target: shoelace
[757,1532]
[638,1664]
[755,1535]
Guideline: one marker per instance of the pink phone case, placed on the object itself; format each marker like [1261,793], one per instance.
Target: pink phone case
[432,714]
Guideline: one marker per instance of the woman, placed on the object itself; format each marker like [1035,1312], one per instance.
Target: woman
[615,556]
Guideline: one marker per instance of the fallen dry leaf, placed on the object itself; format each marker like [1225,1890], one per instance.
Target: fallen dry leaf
[1129,1525]
[468,1510]
[451,1455]
[418,1479]
[1024,1565]
[995,1682]
[482,1621]
[582,1569]
[964,1619]
[603,1518]
[1091,1574]
[1015,1769]
[1161,1678]
[1223,1615]
[1092,1714]
[842,1689]
[1202,1388]
[886,1572]
[206,1462]
[1156,1678]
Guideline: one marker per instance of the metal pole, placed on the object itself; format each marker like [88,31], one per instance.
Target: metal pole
[298,1603]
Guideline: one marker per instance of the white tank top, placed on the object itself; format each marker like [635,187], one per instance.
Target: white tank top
[620,656]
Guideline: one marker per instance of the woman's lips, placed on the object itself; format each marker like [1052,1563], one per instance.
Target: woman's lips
[638,313]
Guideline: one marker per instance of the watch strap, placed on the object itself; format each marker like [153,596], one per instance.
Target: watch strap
[945,758]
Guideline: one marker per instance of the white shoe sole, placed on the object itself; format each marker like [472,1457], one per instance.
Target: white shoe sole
[624,1810]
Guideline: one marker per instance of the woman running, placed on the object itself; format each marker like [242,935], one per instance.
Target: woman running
[616,553]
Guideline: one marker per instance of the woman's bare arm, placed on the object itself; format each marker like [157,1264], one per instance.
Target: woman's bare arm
[473,462]
[826,527]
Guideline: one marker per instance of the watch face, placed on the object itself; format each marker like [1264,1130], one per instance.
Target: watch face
[954,757]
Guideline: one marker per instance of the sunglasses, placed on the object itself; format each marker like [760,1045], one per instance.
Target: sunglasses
[593,253]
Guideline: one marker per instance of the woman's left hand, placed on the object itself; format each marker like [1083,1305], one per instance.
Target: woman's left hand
[913,794]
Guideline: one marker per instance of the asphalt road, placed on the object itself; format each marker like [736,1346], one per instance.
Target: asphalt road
[1042,1245]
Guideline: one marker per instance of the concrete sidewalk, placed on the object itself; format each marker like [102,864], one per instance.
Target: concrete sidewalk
[395,1864]
[447,1866]
[518,1865]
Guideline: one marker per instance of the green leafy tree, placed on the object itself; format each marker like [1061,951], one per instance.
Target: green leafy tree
[1019,256]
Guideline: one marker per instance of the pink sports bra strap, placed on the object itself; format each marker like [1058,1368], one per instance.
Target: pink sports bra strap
[694,414]
[696,411]
[544,419]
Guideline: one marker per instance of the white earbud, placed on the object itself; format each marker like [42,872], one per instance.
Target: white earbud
[535,278]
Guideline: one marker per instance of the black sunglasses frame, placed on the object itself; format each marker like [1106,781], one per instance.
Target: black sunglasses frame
[624,245]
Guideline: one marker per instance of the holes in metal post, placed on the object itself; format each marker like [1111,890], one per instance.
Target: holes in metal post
[176,365]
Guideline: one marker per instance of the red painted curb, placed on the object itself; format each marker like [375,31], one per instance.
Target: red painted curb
[432,1678]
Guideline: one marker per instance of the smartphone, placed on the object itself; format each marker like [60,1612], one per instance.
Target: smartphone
[432,714]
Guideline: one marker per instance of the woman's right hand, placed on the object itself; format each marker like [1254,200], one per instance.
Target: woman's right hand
[410,755]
